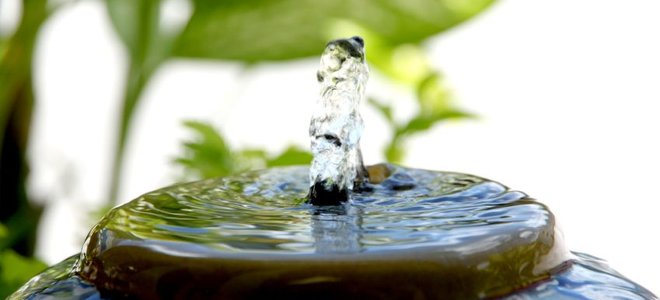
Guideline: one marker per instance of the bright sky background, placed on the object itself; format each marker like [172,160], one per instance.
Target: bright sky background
[567,93]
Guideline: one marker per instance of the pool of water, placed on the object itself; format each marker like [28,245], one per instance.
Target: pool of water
[417,233]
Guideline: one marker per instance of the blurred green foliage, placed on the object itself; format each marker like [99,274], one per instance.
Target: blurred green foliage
[208,155]
[433,106]
[262,30]
[15,269]
[18,216]
[247,31]
[253,31]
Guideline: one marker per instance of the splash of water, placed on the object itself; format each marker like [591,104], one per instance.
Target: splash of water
[336,125]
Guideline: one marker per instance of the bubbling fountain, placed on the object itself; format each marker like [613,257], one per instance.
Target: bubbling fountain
[383,231]
[336,125]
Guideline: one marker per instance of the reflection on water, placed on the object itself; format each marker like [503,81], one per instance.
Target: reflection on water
[337,229]
[57,282]
[259,213]
[433,233]
[586,278]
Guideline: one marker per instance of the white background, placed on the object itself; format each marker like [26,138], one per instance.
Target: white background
[567,92]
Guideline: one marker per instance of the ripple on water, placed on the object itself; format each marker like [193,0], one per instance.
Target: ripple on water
[262,208]
[433,233]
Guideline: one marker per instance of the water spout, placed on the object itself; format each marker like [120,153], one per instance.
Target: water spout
[336,125]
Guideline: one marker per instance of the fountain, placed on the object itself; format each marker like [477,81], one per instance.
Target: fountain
[334,230]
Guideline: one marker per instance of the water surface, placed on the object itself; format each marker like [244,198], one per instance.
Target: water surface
[250,236]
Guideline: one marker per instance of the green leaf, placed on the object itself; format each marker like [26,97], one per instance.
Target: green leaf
[124,15]
[424,122]
[432,95]
[291,156]
[137,25]
[15,270]
[4,232]
[278,30]
[250,159]
[383,109]
[394,151]
[207,155]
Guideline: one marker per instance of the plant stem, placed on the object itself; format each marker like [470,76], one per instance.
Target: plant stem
[16,61]
[136,80]
[144,60]
[16,103]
